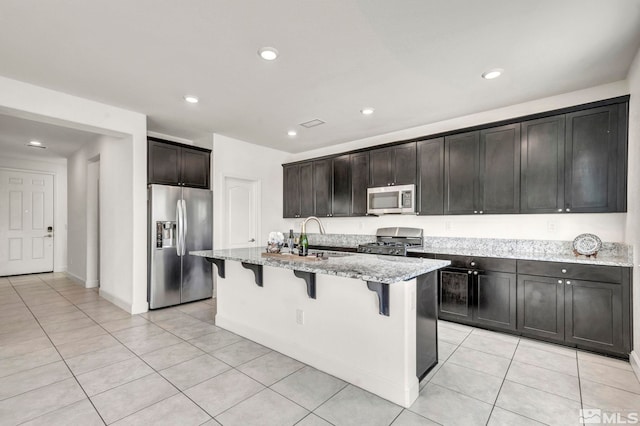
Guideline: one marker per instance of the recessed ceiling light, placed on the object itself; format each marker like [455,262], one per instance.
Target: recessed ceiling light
[367,111]
[491,74]
[268,53]
[292,133]
[36,144]
[191,99]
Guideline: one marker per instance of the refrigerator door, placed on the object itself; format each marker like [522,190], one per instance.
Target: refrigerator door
[163,261]
[197,278]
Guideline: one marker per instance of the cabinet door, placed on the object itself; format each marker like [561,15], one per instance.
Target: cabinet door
[195,168]
[495,300]
[359,183]
[430,176]
[291,191]
[341,191]
[461,161]
[163,163]
[540,307]
[499,188]
[455,295]
[593,315]
[542,165]
[403,165]
[591,160]
[380,166]
[322,187]
[307,207]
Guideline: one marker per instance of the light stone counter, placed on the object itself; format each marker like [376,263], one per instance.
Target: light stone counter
[366,267]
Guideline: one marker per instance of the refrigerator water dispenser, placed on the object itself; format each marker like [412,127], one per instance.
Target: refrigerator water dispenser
[165,234]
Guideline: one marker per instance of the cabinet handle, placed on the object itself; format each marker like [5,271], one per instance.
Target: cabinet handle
[564,271]
[559,281]
[388,184]
[473,263]
[559,210]
[393,183]
[481,212]
[568,282]
[567,210]
[475,211]
[475,272]
[469,272]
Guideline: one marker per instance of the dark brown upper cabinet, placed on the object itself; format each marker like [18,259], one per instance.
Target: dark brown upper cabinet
[359,182]
[395,165]
[461,171]
[341,191]
[430,188]
[482,171]
[595,160]
[307,189]
[575,162]
[169,163]
[322,187]
[499,186]
[542,165]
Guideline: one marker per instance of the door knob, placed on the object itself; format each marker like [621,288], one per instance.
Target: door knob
[253,240]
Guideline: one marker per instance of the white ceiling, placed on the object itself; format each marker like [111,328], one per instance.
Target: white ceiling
[414,61]
[60,142]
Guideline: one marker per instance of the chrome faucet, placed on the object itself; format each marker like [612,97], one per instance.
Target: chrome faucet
[303,230]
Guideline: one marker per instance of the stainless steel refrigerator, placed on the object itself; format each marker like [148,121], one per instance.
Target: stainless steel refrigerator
[180,221]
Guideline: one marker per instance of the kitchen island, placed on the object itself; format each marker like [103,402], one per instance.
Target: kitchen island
[369,320]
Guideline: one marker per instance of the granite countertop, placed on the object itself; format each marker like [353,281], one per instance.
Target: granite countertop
[366,267]
[603,259]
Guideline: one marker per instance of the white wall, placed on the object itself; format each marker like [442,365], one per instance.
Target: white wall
[115,231]
[633,198]
[610,227]
[235,158]
[59,170]
[126,182]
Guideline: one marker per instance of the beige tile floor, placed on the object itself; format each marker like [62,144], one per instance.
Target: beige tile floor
[68,357]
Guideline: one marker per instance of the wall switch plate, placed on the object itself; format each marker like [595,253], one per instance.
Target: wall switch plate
[299,316]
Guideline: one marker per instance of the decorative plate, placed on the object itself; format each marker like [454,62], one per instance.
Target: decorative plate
[587,244]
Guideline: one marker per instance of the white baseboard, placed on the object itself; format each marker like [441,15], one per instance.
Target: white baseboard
[75,277]
[92,283]
[115,300]
[634,359]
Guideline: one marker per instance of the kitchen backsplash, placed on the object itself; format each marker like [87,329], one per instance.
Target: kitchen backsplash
[495,246]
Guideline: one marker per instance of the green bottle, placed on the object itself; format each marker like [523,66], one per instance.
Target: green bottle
[303,246]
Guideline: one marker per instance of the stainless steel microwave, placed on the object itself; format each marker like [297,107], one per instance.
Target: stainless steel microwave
[391,199]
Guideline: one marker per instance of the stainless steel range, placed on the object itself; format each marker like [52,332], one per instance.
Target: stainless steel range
[393,241]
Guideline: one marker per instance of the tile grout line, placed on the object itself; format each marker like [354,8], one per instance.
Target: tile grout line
[61,357]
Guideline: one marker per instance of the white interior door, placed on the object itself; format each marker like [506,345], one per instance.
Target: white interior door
[241,213]
[26,222]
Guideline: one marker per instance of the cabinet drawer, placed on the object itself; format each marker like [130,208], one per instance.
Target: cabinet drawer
[481,263]
[610,274]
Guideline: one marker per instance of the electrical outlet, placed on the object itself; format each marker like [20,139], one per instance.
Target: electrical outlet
[299,316]
[447,226]
[552,226]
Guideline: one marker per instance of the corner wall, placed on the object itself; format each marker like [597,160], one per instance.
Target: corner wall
[59,170]
[633,201]
[129,212]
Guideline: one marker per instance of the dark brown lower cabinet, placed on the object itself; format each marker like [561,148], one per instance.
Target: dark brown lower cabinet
[478,297]
[579,305]
[591,315]
[541,307]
